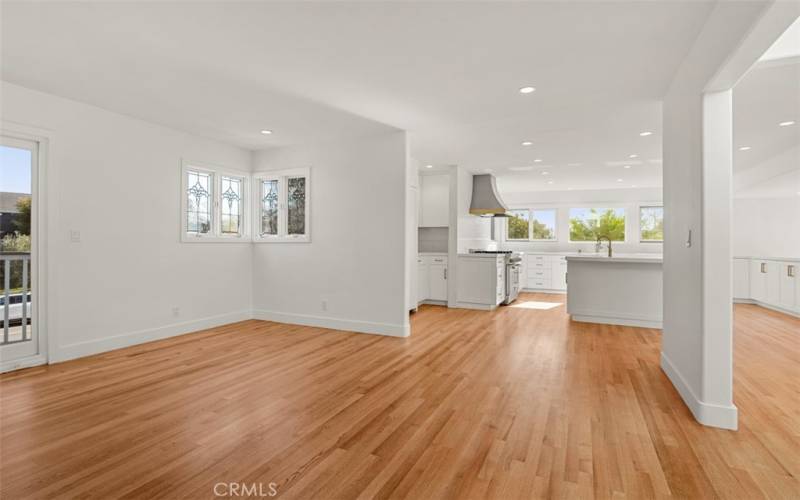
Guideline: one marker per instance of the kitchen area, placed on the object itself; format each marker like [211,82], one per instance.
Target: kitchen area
[476,252]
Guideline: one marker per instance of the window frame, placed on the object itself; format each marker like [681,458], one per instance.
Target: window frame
[555,225]
[639,220]
[282,176]
[528,238]
[597,207]
[216,172]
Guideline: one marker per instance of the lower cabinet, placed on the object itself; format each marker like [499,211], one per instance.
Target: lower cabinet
[545,272]
[771,282]
[432,278]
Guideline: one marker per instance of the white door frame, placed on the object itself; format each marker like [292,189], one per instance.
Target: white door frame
[39,244]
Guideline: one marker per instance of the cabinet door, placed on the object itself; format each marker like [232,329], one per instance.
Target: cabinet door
[435,201]
[758,280]
[438,281]
[559,275]
[787,288]
[423,282]
[773,283]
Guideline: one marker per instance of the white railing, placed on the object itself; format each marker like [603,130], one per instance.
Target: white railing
[20,309]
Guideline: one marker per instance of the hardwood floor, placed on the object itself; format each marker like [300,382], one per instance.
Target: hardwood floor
[518,403]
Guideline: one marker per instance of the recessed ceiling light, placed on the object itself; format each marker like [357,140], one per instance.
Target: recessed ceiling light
[619,180]
[550,182]
[627,166]
[545,172]
[645,133]
[786,124]
[428,166]
[266,132]
[633,156]
[569,189]
[527,90]
[745,148]
[527,143]
[537,160]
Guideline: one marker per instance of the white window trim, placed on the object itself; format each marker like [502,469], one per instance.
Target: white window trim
[639,220]
[555,226]
[281,176]
[608,206]
[215,235]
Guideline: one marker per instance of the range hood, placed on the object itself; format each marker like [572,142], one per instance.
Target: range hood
[485,200]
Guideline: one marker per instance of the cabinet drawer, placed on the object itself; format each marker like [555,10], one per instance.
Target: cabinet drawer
[539,274]
[434,259]
[539,283]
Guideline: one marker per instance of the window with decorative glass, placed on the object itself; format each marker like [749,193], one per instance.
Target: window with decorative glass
[651,224]
[213,203]
[282,207]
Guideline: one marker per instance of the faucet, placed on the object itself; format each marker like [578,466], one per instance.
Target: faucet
[600,244]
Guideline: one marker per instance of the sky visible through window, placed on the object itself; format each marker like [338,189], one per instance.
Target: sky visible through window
[15,170]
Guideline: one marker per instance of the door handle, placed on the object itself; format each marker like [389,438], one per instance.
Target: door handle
[763,267]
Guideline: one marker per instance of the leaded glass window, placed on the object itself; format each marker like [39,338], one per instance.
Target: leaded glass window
[198,202]
[230,205]
[269,207]
[296,205]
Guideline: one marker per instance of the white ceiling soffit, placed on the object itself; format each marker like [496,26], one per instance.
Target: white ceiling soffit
[449,73]
[788,45]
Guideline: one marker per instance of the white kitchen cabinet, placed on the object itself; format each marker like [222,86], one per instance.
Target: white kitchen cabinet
[741,278]
[787,288]
[434,206]
[481,281]
[432,278]
[546,272]
[773,283]
[758,280]
[423,286]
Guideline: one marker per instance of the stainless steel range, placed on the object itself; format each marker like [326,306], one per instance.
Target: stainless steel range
[513,272]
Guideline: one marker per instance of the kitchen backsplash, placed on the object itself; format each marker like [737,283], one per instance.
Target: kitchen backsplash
[433,239]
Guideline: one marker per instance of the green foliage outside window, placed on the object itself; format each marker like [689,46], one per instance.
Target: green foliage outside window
[589,224]
[651,223]
[518,225]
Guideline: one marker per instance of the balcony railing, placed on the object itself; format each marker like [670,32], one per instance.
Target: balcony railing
[16,298]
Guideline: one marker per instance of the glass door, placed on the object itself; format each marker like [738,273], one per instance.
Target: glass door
[18,262]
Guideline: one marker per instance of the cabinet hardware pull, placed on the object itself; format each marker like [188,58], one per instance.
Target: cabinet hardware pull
[763,267]
[790,271]
[445,273]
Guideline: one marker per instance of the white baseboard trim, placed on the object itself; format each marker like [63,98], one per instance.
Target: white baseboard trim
[724,417]
[767,306]
[81,349]
[477,307]
[621,320]
[551,291]
[334,323]
[18,364]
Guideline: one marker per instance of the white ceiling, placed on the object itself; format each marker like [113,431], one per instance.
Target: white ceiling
[449,73]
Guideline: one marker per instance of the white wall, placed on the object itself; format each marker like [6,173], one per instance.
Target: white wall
[117,181]
[356,260]
[696,349]
[766,227]
[629,199]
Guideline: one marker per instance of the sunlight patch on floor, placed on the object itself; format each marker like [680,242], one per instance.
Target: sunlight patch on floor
[532,304]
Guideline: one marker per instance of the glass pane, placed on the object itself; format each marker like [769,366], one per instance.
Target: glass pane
[544,224]
[230,205]
[651,223]
[269,207]
[15,242]
[517,225]
[198,202]
[296,206]
[586,224]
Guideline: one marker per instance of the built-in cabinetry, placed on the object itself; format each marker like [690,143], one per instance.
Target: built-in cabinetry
[481,282]
[432,277]
[545,272]
[434,201]
[773,283]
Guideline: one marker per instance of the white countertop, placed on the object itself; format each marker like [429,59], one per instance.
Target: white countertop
[644,258]
[783,259]
[482,255]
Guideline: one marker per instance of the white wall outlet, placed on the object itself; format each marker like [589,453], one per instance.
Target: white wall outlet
[176,311]
[75,236]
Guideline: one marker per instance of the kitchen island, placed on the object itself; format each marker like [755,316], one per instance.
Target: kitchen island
[625,289]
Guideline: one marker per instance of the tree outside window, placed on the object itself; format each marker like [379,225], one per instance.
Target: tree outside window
[587,224]
[651,223]
[517,225]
